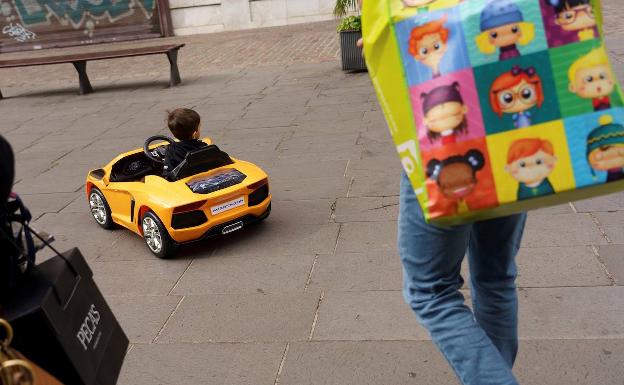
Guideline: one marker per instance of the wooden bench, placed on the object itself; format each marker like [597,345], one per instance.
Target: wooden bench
[79,60]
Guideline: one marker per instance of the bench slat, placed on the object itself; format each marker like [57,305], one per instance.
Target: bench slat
[97,55]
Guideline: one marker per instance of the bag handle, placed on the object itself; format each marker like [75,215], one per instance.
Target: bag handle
[14,371]
[8,329]
[17,372]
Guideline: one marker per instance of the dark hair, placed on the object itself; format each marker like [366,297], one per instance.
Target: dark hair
[562,5]
[473,158]
[183,122]
[440,95]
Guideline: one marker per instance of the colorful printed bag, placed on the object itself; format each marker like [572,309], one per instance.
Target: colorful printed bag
[497,106]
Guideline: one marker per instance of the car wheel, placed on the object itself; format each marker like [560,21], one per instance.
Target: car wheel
[156,236]
[99,209]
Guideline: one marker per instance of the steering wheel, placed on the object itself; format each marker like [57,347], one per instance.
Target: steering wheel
[157,154]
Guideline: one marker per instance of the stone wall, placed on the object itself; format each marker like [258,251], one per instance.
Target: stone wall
[205,16]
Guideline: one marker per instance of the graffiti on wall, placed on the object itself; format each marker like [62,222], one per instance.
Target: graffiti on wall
[22,16]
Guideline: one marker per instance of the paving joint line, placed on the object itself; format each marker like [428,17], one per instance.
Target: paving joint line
[316,315]
[182,275]
[596,251]
[281,367]
[600,228]
[162,329]
[309,280]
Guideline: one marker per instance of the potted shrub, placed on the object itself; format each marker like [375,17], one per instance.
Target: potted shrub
[350,29]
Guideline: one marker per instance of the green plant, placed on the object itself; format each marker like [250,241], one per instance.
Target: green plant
[350,23]
[344,6]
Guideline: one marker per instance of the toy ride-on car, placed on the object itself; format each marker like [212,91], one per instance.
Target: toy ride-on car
[208,194]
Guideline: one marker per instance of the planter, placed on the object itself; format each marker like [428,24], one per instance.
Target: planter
[352,59]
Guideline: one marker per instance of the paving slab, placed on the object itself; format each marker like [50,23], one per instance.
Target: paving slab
[560,267]
[377,185]
[259,274]
[242,318]
[206,364]
[359,237]
[76,230]
[296,170]
[357,272]
[420,363]
[570,230]
[310,188]
[280,239]
[364,316]
[571,361]
[572,313]
[142,317]
[143,277]
[613,258]
[367,209]
[40,204]
[365,363]
[309,212]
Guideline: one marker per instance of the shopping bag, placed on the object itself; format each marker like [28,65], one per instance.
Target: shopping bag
[15,369]
[63,323]
[497,106]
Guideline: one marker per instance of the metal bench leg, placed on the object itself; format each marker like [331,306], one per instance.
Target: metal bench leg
[1,95]
[85,85]
[175,74]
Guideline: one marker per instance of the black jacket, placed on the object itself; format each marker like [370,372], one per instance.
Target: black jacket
[176,152]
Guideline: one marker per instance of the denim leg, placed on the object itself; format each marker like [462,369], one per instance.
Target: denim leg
[492,252]
[432,257]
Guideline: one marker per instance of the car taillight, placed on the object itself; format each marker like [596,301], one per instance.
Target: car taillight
[258,184]
[189,207]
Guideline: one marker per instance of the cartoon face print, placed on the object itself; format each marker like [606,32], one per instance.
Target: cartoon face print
[531,161]
[516,92]
[444,113]
[574,15]
[607,157]
[502,28]
[428,44]
[590,76]
[605,148]
[456,176]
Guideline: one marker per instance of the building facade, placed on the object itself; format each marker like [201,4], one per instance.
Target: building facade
[205,16]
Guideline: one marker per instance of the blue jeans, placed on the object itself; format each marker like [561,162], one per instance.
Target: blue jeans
[481,346]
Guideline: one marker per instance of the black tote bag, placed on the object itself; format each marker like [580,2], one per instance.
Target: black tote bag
[63,323]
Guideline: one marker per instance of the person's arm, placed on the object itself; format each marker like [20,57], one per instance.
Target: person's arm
[360,42]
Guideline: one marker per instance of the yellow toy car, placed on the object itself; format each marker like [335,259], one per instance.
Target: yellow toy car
[208,194]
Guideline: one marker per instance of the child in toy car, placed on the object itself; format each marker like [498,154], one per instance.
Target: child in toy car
[185,125]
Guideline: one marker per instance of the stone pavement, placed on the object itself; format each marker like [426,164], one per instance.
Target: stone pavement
[311,296]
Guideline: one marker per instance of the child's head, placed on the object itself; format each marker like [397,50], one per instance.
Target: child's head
[184,123]
[428,42]
[516,91]
[573,15]
[590,76]
[605,145]
[530,160]
[444,110]
[503,25]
